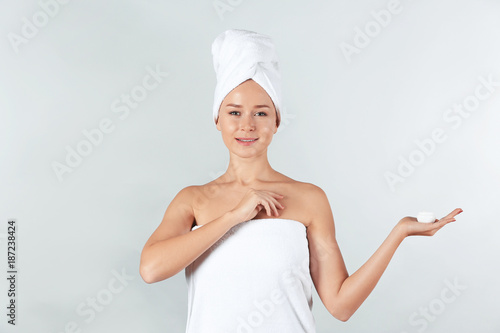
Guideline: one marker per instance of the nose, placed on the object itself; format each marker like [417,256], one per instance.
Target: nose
[247,123]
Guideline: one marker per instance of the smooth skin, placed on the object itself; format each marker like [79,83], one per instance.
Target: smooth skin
[251,189]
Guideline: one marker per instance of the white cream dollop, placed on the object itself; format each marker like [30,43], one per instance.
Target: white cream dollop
[426,217]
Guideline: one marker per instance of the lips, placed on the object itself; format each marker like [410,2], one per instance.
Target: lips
[246,139]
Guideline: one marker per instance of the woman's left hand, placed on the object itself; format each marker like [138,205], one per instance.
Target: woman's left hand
[411,227]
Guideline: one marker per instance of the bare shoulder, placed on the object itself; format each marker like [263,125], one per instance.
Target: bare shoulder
[315,196]
[190,196]
[201,193]
[298,185]
[186,195]
[181,207]
[312,189]
[308,191]
[193,192]
[315,201]
[178,216]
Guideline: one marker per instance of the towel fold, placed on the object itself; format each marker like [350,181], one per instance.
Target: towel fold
[239,55]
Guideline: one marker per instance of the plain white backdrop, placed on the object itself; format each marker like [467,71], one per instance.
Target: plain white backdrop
[391,107]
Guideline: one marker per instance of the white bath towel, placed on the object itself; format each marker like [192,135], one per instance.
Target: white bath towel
[239,55]
[254,279]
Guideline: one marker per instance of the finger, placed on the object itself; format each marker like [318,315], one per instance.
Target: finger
[277,203]
[268,209]
[275,210]
[274,207]
[441,223]
[274,194]
[271,206]
[433,228]
[446,219]
[455,212]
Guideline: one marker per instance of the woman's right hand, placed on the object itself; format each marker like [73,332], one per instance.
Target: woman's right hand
[256,200]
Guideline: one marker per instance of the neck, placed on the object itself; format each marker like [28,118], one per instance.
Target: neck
[248,171]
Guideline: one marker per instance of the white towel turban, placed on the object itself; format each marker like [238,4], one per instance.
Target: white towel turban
[240,55]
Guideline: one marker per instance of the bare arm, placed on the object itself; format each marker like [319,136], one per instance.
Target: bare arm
[353,291]
[342,294]
[173,246]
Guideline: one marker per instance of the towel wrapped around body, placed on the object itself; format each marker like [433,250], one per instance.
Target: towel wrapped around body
[254,279]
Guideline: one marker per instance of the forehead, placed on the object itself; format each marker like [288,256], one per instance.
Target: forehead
[248,92]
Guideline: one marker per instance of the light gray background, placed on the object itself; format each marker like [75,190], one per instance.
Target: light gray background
[346,124]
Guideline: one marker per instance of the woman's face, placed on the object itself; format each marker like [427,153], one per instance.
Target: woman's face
[247,113]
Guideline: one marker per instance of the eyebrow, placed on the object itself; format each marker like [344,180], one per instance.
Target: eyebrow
[256,106]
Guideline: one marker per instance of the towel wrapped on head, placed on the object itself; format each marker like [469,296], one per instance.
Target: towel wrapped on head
[240,55]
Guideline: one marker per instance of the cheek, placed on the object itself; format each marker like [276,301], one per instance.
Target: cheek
[267,131]
[268,127]
[228,130]
[231,129]
[227,125]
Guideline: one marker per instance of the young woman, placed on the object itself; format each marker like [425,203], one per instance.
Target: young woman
[254,241]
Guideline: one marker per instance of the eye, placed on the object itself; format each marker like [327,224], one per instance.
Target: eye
[233,112]
[262,113]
